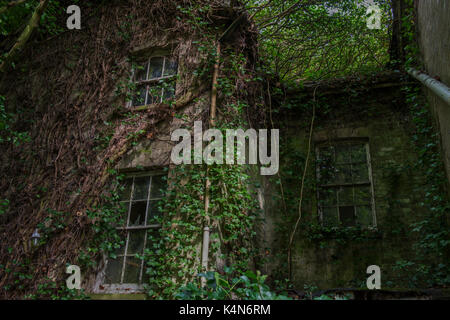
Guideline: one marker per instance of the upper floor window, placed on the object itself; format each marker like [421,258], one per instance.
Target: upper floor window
[345,189]
[154,80]
[140,196]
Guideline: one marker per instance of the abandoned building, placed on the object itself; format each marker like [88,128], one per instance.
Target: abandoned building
[100,105]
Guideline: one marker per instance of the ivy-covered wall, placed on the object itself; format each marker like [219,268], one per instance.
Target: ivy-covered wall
[327,257]
[433,25]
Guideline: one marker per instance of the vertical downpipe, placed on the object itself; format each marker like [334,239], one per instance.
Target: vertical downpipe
[212,120]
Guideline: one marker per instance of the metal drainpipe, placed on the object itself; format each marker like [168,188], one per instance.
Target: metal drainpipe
[440,89]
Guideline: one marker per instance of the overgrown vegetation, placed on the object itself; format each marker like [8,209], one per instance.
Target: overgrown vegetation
[62,144]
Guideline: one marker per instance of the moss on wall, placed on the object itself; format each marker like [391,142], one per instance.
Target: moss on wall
[340,259]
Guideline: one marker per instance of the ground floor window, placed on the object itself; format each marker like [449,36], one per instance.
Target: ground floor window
[141,197]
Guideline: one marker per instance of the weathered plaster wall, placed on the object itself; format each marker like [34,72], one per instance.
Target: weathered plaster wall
[434,40]
[331,261]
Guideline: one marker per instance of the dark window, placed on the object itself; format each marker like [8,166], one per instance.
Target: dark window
[344,184]
[154,81]
[140,196]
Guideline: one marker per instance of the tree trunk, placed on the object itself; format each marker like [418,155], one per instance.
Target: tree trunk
[26,34]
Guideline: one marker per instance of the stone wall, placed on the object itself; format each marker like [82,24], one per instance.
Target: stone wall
[433,17]
[336,260]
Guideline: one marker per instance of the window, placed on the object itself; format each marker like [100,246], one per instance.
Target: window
[154,80]
[345,190]
[140,196]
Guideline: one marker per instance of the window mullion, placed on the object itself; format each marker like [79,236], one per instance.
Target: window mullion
[148,69]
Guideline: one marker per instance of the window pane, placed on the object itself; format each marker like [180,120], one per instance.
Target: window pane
[364,216]
[139,96]
[140,72]
[171,66]
[113,270]
[137,213]
[329,216]
[153,210]
[156,65]
[362,195]
[343,152]
[132,270]
[159,186]
[169,92]
[326,154]
[327,197]
[125,189]
[136,242]
[343,174]
[154,94]
[347,215]
[345,196]
[120,251]
[360,173]
[359,153]
[140,188]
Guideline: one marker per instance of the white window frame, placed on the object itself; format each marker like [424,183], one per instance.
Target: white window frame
[333,143]
[120,288]
[153,81]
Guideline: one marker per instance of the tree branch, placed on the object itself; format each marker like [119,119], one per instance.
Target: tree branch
[11,4]
[33,23]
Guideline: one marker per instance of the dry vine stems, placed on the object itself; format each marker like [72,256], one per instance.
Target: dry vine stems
[65,101]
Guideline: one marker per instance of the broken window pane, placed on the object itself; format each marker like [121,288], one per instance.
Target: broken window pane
[139,96]
[140,73]
[125,189]
[156,65]
[137,213]
[347,215]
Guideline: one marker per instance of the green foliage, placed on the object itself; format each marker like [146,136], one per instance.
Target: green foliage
[172,258]
[313,40]
[54,222]
[51,291]
[105,220]
[248,286]
[430,265]
[4,205]
[7,133]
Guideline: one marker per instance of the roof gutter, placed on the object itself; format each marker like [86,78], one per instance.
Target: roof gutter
[440,89]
